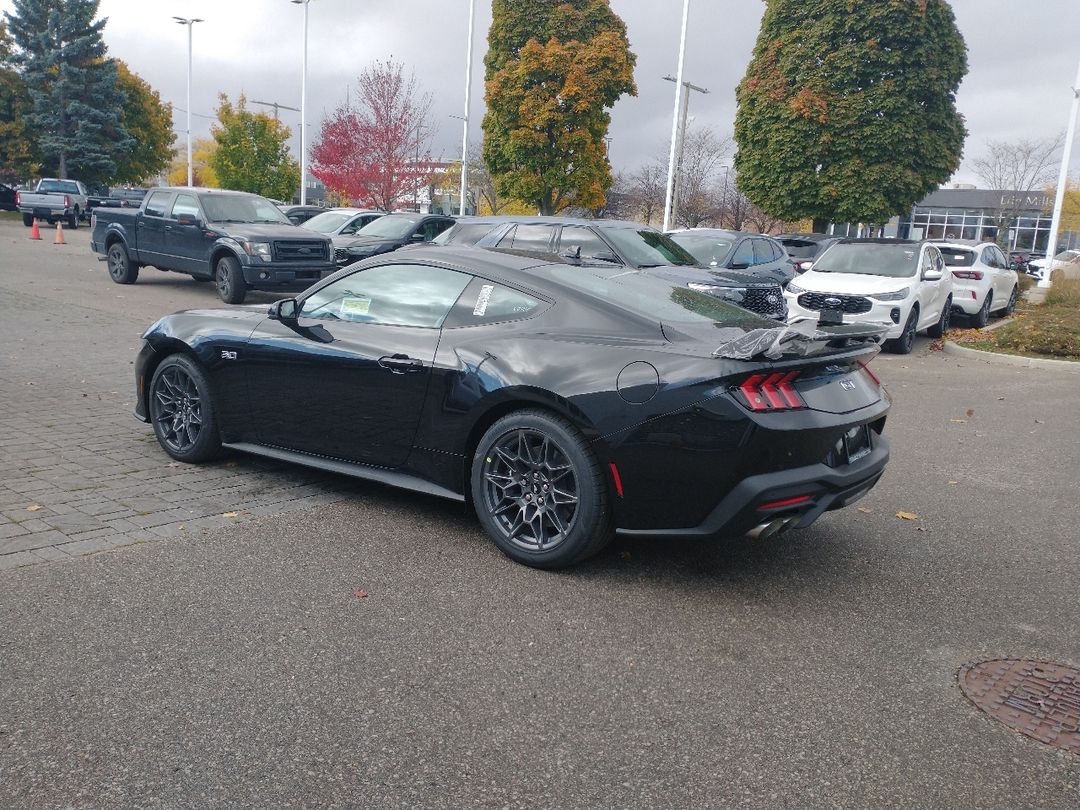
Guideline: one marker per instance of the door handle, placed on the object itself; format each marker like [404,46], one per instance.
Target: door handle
[168,227]
[401,363]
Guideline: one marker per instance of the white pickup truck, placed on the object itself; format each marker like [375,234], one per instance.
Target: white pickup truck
[53,200]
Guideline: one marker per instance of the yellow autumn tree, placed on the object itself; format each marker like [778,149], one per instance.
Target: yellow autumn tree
[202,172]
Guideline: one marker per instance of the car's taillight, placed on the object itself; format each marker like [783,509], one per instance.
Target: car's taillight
[67,201]
[870,372]
[771,392]
[18,198]
[973,274]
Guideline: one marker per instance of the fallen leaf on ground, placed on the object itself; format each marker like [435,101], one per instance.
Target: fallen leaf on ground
[907,515]
[953,483]
[625,555]
[360,594]
[959,421]
[970,412]
[34,507]
[231,514]
[920,529]
[864,509]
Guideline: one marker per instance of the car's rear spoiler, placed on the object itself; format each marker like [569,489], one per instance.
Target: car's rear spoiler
[800,339]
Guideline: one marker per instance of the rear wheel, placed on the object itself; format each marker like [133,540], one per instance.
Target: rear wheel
[906,341]
[229,280]
[539,492]
[1009,307]
[28,220]
[121,268]
[73,220]
[982,317]
[181,411]
[942,326]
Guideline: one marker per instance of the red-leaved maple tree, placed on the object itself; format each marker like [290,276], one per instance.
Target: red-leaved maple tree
[373,149]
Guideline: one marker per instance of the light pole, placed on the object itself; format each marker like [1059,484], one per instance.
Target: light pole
[303,109]
[681,140]
[465,118]
[189,22]
[1063,179]
[675,118]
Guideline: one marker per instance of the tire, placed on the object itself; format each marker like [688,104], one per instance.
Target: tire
[906,341]
[1009,307]
[73,220]
[229,280]
[942,326]
[28,220]
[982,317]
[121,269]
[522,465]
[182,412]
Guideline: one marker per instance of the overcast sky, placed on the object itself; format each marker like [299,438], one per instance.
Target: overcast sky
[1022,61]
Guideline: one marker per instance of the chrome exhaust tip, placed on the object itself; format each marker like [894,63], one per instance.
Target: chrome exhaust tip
[771,528]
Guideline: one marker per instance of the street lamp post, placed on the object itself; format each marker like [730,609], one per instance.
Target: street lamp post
[681,140]
[675,118]
[465,118]
[303,108]
[1063,179]
[189,22]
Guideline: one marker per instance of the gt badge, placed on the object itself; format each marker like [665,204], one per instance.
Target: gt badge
[226,354]
[847,385]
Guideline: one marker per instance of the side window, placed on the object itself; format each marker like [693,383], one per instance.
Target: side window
[155,206]
[762,251]
[1002,262]
[353,226]
[578,237]
[487,302]
[184,205]
[389,295]
[433,227]
[531,237]
[744,253]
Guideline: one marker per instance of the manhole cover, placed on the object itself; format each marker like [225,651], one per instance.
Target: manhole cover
[1037,699]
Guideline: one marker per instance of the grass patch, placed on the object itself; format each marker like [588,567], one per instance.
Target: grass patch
[12,216]
[1049,330]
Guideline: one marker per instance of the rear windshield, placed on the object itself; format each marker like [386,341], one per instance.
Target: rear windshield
[711,250]
[328,221]
[465,233]
[870,259]
[800,248]
[647,248]
[58,187]
[957,257]
[654,298]
[390,227]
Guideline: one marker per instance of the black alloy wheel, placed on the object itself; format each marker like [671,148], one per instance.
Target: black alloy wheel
[538,491]
[229,280]
[906,341]
[181,411]
[982,317]
[121,269]
[942,326]
[1009,307]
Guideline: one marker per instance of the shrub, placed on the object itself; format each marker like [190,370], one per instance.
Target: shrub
[1064,293]
[1025,282]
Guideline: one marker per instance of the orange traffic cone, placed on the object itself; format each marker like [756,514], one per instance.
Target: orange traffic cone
[35,232]
[59,240]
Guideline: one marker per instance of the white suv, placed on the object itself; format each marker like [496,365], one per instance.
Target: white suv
[899,284]
[983,283]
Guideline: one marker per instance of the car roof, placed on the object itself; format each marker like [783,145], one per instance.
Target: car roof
[716,232]
[808,237]
[546,220]
[966,244]
[880,240]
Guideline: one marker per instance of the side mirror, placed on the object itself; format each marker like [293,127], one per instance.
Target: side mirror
[738,265]
[187,219]
[571,254]
[418,237]
[930,274]
[285,311]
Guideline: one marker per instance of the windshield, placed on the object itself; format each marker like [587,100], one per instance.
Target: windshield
[241,208]
[328,221]
[800,248]
[58,186]
[655,298]
[389,227]
[645,248]
[711,250]
[957,257]
[899,260]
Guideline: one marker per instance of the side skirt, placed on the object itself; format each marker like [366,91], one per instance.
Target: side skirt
[381,475]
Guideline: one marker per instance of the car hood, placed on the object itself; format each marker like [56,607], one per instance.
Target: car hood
[362,241]
[264,230]
[851,283]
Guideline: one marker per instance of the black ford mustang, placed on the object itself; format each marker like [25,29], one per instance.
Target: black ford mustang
[563,402]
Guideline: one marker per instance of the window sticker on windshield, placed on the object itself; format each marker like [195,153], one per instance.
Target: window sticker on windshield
[482,299]
[355,305]
[909,254]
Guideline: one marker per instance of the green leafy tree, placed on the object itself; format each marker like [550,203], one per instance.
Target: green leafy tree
[553,70]
[149,121]
[252,152]
[848,110]
[16,143]
[75,101]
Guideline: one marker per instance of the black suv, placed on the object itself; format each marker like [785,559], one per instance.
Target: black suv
[617,243]
[804,248]
[389,232]
[755,254]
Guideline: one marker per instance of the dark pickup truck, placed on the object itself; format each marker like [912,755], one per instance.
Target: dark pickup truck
[240,241]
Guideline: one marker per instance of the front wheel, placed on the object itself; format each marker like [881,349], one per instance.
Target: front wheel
[28,220]
[906,341]
[121,268]
[181,411]
[230,280]
[942,326]
[539,492]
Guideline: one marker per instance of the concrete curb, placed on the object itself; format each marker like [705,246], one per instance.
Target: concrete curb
[998,359]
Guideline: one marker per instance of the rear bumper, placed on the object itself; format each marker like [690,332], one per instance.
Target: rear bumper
[827,487]
[968,298]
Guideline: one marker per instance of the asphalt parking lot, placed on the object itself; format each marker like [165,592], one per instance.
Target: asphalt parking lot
[251,634]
